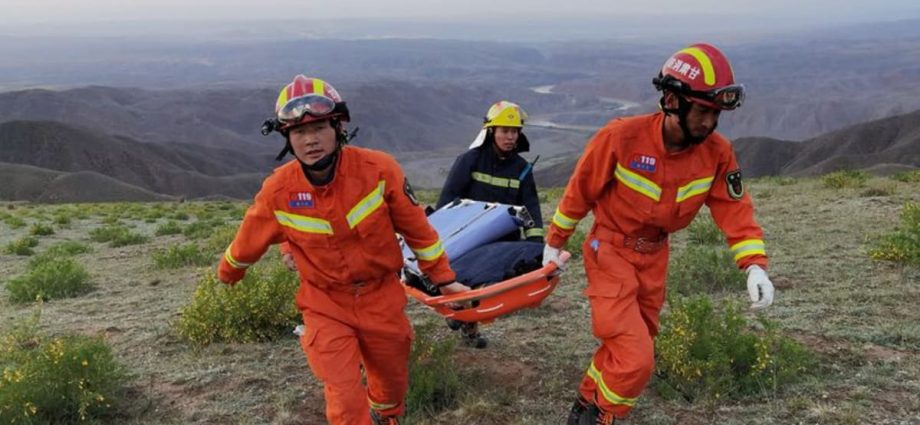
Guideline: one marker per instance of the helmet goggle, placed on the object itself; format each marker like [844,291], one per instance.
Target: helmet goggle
[725,98]
[314,105]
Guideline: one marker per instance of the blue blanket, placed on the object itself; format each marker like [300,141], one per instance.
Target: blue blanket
[497,261]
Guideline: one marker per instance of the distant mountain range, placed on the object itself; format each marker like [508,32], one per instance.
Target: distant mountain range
[48,161]
[885,145]
[57,151]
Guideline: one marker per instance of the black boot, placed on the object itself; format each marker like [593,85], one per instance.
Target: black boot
[383,420]
[472,337]
[454,324]
[578,410]
[586,413]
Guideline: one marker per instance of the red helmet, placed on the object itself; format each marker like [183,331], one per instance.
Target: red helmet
[703,74]
[308,99]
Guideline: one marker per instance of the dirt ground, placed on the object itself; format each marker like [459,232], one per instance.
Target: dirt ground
[859,316]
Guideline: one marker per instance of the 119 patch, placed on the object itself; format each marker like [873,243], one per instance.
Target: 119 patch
[645,163]
[734,185]
[300,200]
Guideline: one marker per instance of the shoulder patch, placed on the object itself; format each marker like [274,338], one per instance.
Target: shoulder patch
[409,192]
[734,185]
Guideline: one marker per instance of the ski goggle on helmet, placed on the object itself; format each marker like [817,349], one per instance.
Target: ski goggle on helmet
[308,99]
[702,74]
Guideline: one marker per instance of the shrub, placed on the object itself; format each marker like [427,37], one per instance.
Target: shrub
[258,308]
[575,242]
[902,245]
[703,230]
[778,180]
[201,229]
[845,179]
[152,215]
[49,278]
[221,238]
[171,227]
[179,215]
[14,222]
[22,246]
[117,235]
[912,176]
[704,269]
[112,219]
[434,383]
[181,255]
[66,248]
[39,229]
[62,220]
[63,379]
[707,354]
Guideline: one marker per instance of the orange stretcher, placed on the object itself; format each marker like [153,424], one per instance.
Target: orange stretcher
[486,303]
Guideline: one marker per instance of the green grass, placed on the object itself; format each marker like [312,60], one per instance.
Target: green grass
[436,383]
[22,246]
[182,255]
[171,227]
[903,245]
[201,229]
[39,229]
[703,231]
[117,235]
[14,222]
[912,176]
[67,378]
[856,314]
[704,269]
[67,248]
[258,308]
[845,179]
[708,354]
[49,278]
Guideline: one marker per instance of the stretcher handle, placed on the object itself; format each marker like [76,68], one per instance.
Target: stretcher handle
[547,271]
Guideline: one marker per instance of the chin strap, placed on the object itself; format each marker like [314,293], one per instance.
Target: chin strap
[683,108]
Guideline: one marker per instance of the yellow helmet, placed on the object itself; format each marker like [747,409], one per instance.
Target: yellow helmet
[505,114]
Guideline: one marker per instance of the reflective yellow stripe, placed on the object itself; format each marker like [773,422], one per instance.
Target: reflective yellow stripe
[495,181]
[748,248]
[369,204]
[536,231]
[696,187]
[563,221]
[430,253]
[319,87]
[608,394]
[303,223]
[709,74]
[638,183]
[232,261]
[381,406]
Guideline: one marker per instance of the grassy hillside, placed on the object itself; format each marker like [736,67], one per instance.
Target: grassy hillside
[860,317]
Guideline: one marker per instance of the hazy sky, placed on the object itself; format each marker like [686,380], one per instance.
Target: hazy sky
[829,11]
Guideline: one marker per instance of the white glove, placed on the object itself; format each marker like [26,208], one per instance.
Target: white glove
[759,287]
[551,254]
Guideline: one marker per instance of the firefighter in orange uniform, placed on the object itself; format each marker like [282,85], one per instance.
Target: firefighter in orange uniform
[644,177]
[338,208]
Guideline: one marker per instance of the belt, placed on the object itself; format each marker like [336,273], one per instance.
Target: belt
[641,244]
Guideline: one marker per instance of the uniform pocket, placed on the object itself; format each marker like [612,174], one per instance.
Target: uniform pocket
[377,233]
[598,267]
[635,201]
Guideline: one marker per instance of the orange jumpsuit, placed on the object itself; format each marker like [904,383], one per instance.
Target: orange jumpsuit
[639,193]
[342,238]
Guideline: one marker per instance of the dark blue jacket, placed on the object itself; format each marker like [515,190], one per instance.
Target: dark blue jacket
[480,175]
